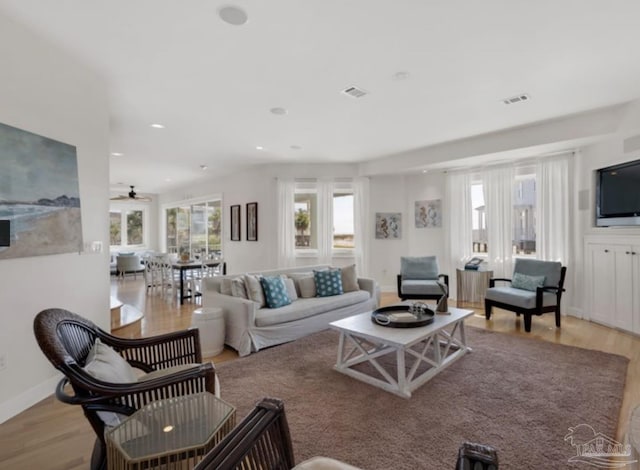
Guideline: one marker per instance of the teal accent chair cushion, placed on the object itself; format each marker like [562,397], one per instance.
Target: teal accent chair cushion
[419,267]
[525,282]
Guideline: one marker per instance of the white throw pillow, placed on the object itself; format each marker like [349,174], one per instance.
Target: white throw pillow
[291,289]
[238,288]
[296,278]
[105,364]
[225,286]
[254,289]
[349,279]
[307,287]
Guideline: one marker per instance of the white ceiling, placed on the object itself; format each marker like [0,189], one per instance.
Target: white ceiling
[212,84]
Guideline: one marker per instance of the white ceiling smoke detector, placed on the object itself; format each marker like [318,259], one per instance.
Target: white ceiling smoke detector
[355,92]
[516,99]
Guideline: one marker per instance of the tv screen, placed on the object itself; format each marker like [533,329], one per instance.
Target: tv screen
[618,195]
[5,233]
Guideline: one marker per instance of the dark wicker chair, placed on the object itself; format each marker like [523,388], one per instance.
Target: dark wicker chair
[473,456]
[66,339]
[261,441]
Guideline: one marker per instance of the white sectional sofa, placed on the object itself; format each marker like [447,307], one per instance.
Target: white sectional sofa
[249,328]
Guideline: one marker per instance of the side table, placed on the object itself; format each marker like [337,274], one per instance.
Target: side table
[174,433]
[472,285]
[210,322]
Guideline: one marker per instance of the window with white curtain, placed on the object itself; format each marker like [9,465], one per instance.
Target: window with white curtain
[523,220]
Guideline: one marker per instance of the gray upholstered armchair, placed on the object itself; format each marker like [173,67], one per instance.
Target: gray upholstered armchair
[419,277]
[536,288]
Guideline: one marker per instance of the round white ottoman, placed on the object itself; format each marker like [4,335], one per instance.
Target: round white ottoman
[210,322]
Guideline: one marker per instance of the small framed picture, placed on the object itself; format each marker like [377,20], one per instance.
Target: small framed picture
[235,223]
[252,221]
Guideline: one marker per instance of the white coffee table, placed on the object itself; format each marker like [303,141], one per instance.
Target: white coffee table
[420,353]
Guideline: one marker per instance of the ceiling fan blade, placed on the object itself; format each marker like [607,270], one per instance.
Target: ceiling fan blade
[119,198]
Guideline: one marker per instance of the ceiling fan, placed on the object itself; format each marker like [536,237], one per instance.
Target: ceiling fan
[131,196]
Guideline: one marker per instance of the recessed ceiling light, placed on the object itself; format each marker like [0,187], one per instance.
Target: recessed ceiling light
[203,167]
[157,126]
[278,111]
[296,147]
[168,180]
[401,75]
[259,147]
[116,154]
[233,15]
[424,171]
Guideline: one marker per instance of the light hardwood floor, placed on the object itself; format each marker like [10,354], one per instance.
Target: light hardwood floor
[54,436]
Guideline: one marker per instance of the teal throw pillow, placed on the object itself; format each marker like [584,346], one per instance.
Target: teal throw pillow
[328,282]
[525,282]
[275,292]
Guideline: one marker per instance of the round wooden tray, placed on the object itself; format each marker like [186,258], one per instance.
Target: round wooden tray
[399,316]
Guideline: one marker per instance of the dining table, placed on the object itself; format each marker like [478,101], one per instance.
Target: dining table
[184,266]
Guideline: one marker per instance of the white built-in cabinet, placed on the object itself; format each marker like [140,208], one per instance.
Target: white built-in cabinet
[612,278]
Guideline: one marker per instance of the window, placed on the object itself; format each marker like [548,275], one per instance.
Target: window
[305,208]
[524,216]
[194,228]
[324,216]
[126,227]
[343,220]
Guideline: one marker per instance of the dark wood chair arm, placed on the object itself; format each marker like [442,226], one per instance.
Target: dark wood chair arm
[158,352]
[445,277]
[195,379]
[492,281]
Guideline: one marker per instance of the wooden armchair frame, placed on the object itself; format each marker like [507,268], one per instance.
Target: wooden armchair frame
[260,442]
[66,338]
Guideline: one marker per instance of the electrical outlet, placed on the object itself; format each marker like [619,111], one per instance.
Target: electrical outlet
[3,361]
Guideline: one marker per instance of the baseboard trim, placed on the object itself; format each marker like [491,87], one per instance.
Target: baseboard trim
[18,404]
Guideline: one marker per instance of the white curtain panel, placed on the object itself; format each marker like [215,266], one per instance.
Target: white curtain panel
[552,209]
[497,184]
[458,215]
[325,221]
[361,225]
[286,227]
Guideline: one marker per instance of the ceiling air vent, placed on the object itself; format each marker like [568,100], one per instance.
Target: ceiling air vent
[355,92]
[516,99]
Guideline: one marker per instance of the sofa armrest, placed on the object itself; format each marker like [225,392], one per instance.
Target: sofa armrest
[371,286]
[236,309]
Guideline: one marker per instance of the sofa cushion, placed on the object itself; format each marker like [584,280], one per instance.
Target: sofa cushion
[421,287]
[328,283]
[307,287]
[525,282]
[521,298]
[349,278]
[304,308]
[275,292]
[419,267]
[296,280]
[254,289]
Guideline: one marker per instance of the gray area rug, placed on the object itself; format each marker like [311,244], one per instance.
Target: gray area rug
[518,394]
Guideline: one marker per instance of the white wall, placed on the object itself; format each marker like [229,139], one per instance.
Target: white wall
[44,91]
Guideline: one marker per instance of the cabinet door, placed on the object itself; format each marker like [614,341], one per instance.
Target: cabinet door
[600,270]
[611,286]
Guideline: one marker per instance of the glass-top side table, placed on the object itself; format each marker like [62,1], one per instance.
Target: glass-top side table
[174,433]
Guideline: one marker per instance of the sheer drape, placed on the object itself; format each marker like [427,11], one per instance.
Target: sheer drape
[325,221]
[361,224]
[286,227]
[552,201]
[497,186]
[458,216]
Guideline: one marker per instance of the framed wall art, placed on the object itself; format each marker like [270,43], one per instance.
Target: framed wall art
[252,222]
[428,214]
[235,223]
[388,225]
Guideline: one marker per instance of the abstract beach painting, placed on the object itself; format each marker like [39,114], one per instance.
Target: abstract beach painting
[39,194]
[388,225]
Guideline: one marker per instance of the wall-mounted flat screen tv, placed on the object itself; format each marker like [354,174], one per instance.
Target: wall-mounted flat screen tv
[618,195]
